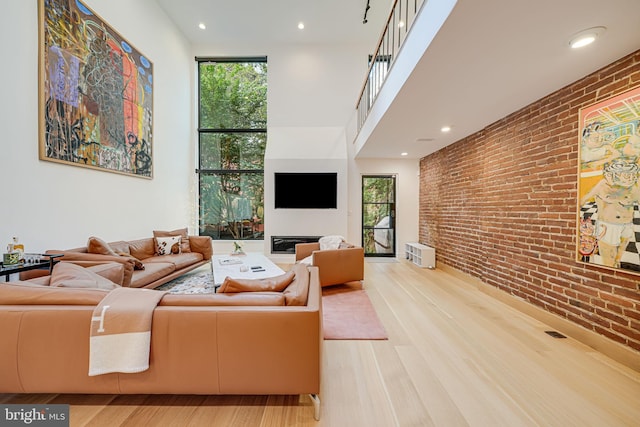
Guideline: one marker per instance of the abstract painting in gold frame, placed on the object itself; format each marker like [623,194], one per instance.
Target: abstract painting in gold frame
[608,226]
[96,93]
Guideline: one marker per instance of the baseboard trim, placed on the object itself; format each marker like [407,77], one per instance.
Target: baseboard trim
[610,348]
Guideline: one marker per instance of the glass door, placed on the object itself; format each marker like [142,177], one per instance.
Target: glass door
[378,215]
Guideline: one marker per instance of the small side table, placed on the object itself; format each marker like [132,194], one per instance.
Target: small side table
[43,261]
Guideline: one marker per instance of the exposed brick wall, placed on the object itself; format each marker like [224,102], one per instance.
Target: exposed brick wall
[501,205]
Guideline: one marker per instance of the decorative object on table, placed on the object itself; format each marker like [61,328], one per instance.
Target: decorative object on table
[11,258]
[229,261]
[96,97]
[609,199]
[15,253]
[237,249]
[30,259]
[18,247]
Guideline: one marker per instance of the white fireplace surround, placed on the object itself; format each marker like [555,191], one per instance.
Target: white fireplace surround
[305,149]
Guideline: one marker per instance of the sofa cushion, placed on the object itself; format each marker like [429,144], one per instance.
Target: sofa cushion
[270,284]
[152,272]
[180,261]
[298,291]
[168,245]
[182,232]
[113,271]
[96,245]
[38,282]
[142,248]
[69,275]
[137,264]
[120,247]
[16,293]
[228,299]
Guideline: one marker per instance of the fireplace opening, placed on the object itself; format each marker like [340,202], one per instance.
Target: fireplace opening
[287,244]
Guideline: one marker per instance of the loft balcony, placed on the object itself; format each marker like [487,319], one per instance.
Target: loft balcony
[408,32]
[467,64]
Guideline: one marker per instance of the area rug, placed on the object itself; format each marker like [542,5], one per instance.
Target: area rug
[190,283]
[347,312]
[349,315]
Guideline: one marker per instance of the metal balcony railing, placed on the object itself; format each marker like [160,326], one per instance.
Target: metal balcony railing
[397,27]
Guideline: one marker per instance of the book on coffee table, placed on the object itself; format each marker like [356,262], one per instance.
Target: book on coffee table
[229,261]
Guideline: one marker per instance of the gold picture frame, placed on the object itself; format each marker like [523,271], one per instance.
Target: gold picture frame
[608,226]
[95,93]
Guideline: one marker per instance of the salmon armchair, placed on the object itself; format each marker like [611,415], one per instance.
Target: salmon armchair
[336,266]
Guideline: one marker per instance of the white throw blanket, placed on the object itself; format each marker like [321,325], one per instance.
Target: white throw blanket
[330,242]
[121,331]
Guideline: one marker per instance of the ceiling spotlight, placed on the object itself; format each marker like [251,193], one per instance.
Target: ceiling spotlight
[202,26]
[400,24]
[404,153]
[586,37]
[301,25]
[445,128]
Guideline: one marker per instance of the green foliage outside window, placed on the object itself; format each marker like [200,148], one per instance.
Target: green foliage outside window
[378,200]
[232,141]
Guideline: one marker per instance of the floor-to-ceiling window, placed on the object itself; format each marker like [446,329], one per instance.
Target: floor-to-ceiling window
[232,136]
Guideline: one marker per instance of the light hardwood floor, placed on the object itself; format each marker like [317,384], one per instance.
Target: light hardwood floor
[455,357]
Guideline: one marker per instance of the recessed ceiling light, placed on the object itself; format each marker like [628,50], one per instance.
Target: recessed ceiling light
[301,25]
[445,128]
[404,153]
[586,37]
[202,26]
[400,24]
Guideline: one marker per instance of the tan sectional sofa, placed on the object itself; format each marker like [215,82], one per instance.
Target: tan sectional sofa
[232,343]
[158,269]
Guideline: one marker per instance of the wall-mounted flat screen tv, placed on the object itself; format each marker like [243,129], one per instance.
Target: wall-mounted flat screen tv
[306,190]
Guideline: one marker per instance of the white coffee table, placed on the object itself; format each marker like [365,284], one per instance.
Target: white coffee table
[239,267]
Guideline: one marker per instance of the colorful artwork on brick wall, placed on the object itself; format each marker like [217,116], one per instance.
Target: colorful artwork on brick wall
[96,93]
[608,226]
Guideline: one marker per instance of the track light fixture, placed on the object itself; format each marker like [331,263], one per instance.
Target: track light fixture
[366,10]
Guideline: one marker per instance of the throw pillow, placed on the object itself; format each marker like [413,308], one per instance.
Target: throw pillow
[113,271]
[182,232]
[271,284]
[137,264]
[168,245]
[96,245]
[298,292]
[330,242]
[69,275]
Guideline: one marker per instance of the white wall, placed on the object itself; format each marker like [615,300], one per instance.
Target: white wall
[407,172]
[51,205]
[407,201]
[305,149]
[312,90]
[312,94]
